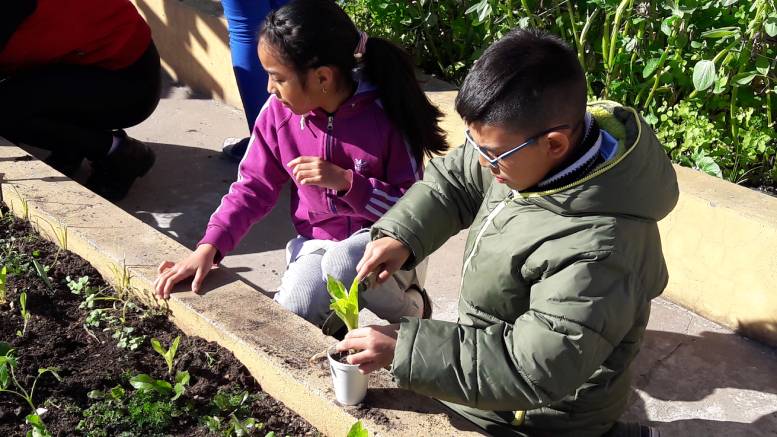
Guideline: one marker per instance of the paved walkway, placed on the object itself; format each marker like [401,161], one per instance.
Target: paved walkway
[693,377]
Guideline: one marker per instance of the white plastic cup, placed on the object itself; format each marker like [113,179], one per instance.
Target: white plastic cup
[350,384]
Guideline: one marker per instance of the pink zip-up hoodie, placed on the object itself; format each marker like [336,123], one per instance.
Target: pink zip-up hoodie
[358,137]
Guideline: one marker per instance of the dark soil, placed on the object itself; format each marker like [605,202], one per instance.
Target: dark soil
[341,357]
[56,337]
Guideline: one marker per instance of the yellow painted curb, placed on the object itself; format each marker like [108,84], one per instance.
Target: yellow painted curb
[273,344]
[720,244]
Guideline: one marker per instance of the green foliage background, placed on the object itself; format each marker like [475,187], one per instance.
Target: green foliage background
[701,72]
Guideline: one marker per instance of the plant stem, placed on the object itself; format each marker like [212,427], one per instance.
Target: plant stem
[528,12]
[581,47]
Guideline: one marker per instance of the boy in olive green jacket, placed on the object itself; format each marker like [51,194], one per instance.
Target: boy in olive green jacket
[563,256]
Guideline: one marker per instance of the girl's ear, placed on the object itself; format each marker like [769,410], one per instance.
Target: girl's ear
[325,78]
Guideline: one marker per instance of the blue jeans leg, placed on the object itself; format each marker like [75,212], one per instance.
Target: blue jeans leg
[245,18]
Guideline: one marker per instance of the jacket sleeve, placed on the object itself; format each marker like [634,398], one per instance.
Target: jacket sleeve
[442,204]
[259,181]
[577,316]
[370,198]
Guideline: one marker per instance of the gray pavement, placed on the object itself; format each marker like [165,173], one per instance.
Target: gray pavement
[692,378]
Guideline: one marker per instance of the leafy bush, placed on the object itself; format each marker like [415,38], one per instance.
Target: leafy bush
[702,72]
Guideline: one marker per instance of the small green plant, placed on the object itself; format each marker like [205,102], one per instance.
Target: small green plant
[147,383]
[177,387]
[167,354]
[229,414]
[42,272]
[25,214]
[139,412]
[122,280]
[344,304]
[11,385]
[114,318]
[358,430]
[3,284]
[24,312]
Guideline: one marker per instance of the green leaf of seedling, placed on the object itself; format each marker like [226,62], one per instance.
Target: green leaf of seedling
[213,423]
[38,428]
[158,347]
[3,283]
[703,75]
[179,389]
[142,381]
[5,349]
[53,370]
[181,381]
[34,420]
[96,394]
[42,273]
[358,430]
[182,377]
[169,354]
[146,383]
[240,429]
[335,288]
[4,376]
[118,392]
[270,434]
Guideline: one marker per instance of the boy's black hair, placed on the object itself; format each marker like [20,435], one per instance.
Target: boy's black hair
[313,33]
[527,81]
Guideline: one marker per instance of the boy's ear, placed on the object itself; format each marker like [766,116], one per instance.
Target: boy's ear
[558,145]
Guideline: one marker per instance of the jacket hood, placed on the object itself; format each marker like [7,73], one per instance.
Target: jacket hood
[639,182]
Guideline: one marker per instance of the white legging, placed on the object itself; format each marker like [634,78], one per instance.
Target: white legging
[303,286]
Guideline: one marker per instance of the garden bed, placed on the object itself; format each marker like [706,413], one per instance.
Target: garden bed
[108,379]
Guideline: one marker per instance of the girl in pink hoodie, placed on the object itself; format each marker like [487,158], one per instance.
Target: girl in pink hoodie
[348,125]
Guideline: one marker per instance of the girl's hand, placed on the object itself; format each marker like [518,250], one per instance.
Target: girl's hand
[383,256]
[376,345]
[198,264]
[312,170]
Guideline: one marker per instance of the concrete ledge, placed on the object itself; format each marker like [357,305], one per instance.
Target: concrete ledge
[274,344]
[719,244]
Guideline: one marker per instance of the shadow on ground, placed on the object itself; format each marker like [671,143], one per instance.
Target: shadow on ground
[707,376]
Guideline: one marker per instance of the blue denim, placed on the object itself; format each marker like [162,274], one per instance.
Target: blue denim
[245,17]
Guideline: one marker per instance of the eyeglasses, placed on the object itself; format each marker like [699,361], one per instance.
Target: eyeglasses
[494,160]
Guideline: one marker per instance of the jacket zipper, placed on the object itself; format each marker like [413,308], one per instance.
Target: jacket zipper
[330,125]
[489,219]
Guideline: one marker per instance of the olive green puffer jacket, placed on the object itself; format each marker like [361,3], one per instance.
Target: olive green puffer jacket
[556,286]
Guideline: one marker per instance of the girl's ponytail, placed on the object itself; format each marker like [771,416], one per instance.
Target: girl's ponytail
[390,69]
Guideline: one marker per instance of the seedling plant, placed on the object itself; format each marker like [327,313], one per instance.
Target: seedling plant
[24,313]
[10,384]
[344,303]
[113,318]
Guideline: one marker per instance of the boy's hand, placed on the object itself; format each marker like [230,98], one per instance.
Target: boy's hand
[383,256]
[198,264]
[376,345]
[312,170]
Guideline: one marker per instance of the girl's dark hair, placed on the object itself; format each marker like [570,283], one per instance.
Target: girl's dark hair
[526,81]
[313,33]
